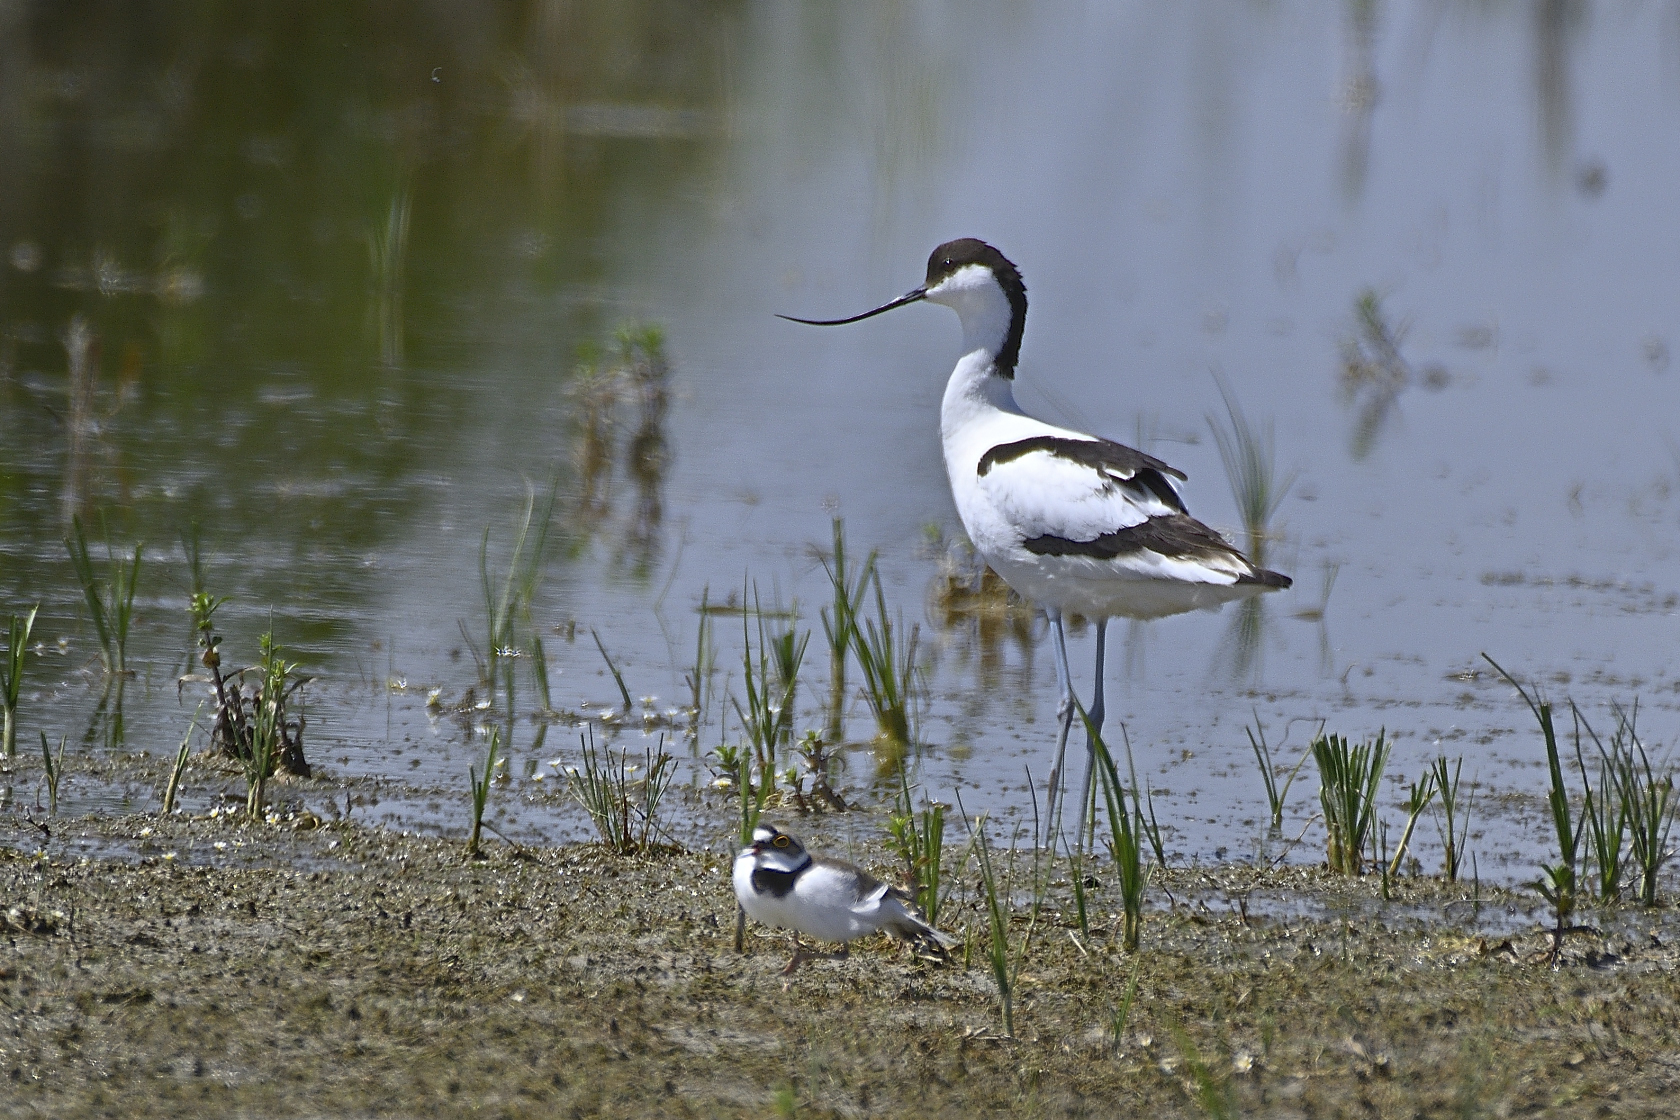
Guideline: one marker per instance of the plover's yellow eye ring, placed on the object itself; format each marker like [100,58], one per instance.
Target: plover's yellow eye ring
[781,841]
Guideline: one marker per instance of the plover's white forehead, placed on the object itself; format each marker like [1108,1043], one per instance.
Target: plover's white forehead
[763,834]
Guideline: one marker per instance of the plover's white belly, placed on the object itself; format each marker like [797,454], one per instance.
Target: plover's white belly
[823,903]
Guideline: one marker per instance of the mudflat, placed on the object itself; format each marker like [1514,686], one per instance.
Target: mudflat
[347,971]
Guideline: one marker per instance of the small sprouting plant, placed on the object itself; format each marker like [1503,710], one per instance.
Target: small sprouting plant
[1117,1025]
[481,780]
[11,675]
[997,926]
[1452,824]
[510,633]
[1419,795]
[840,622]
[1348,777]
[55,770]
[1559,886]
[1275,797]
[179,768]
[618,677]
[918,836]
[1126,830]
[705,661]
[623,806]
[110,602]
[1214,1094]
[269,730]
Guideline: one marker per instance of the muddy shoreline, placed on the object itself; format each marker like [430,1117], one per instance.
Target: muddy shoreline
[335,969]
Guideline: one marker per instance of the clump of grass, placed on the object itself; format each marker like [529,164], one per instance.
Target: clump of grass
[180,766]
[11,676]
[623,807]
[918,836]
[1650,802]
[891,681]
[1251,470]
[481,790]
[770,678]
[840,622]
[1559,886]
[110,602]
[1275,797]
[54,770]
[1453,826]
[1605,815]
[1634,799]
[1348,777]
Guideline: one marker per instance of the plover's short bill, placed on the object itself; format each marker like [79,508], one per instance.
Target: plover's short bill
[780,884]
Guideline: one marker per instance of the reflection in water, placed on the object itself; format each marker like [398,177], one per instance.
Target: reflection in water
[388,250]
[1359,95]
[1249,456]
[637,375]
[1238,655]
[1316,613]
[1373,372]
[647,457]
[1556,22]
[79,346]
[981,621]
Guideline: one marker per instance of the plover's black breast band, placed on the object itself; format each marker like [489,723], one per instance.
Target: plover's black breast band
[774,883]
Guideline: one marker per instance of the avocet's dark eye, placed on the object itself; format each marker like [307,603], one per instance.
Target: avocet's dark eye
[947,263]
[781,841]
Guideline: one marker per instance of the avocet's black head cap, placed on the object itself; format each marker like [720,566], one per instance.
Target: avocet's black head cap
[948,259]
[953,256]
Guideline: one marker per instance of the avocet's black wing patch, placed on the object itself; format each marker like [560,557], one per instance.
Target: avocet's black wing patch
[1112,460]
[1176,535]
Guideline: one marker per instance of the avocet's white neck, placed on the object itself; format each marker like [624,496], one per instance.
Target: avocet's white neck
[975,392]
[979,301]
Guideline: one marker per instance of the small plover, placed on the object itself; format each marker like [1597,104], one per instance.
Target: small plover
[780,884]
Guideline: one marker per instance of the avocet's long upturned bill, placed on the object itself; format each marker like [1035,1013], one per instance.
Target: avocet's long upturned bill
[1071,521]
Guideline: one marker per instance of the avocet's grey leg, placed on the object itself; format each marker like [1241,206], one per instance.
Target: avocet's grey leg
[1095,714]
[1064,717]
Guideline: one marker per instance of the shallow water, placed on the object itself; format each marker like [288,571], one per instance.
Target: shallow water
[336,276]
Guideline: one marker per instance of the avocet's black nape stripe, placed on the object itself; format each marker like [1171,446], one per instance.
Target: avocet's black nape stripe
[776,883]
[1100,455]
[964,251]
